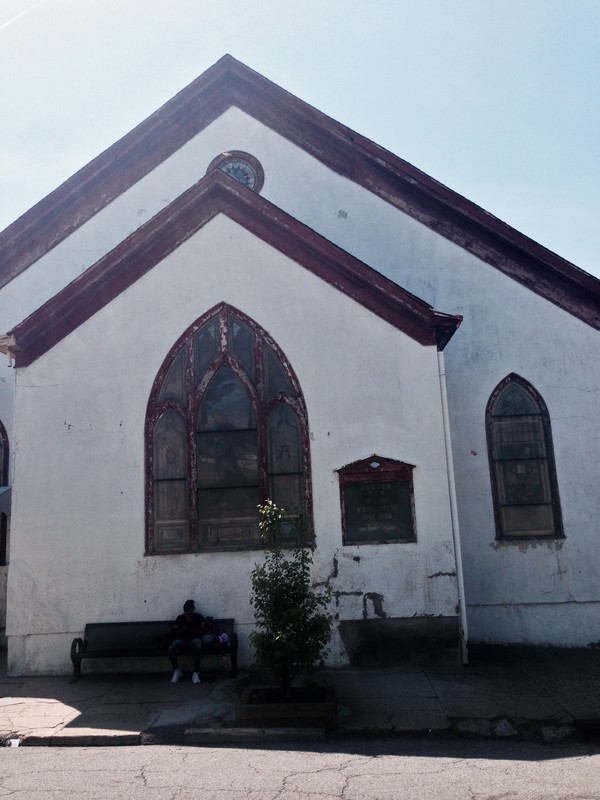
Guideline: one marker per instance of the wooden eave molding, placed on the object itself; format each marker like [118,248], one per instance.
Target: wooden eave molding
[8,345]
[230,83]
[166,231]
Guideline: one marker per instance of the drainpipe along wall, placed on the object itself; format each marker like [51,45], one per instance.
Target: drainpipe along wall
[453,511]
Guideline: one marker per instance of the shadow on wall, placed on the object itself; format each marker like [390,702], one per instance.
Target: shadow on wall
[394,642]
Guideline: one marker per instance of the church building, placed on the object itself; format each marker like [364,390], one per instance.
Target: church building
[243,299]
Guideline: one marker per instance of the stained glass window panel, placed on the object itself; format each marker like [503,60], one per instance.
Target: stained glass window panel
[230,503]
[523,521]
[286,491]
[519,437]
[284,441]
[170,500]
[206,347]
[226,404]
[514,401]
[173,387]
[227,458]
[523,482]
[277,380]
[241,533]
[171,537]
[170,447]
[241,343]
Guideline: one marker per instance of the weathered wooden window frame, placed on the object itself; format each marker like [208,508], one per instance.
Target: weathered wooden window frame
[195,389]
[544,416]
[377,470]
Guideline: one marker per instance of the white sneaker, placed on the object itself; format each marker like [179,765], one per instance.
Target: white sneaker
[177,676]
[195,678]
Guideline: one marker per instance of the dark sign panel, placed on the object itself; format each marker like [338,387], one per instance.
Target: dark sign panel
[378,511]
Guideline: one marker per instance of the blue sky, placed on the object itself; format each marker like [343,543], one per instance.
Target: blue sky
[498,99]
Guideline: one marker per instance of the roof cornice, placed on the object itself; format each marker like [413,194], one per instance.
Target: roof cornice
[166,231]
[230,82]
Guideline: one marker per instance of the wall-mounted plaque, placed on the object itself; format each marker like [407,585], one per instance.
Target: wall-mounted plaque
[377,501]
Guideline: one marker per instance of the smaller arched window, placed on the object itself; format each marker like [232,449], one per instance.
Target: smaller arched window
[524,484]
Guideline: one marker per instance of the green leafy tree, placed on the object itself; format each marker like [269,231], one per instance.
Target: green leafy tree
[292,626]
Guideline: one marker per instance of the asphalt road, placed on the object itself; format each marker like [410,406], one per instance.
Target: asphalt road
[355,770]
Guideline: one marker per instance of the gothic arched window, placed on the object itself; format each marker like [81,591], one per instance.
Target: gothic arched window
[524,484]
[226,428]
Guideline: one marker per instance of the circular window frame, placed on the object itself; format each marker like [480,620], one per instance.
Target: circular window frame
[240,155]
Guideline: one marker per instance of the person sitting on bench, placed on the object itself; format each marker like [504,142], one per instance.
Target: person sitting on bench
[190,628]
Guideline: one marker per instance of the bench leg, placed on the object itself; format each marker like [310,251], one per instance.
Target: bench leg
[76,671]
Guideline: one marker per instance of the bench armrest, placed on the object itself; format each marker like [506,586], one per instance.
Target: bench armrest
[77,648]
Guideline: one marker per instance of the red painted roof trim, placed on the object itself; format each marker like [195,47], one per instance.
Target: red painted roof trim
[228,83]
[166,231]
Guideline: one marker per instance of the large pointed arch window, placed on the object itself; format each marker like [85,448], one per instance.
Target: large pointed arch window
[226,429]
[524,483]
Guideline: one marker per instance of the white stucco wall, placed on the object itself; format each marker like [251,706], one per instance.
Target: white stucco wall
[544,592]
[525,593]
[78,511]
[515,592]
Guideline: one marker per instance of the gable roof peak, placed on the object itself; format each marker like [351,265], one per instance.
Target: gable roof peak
[214,194]
[228,83]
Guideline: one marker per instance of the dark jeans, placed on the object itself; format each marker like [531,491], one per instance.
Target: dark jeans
[193,646]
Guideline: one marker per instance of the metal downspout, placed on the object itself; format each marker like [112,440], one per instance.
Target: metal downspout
[453,512]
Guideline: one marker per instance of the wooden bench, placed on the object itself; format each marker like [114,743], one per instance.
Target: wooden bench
[140,640]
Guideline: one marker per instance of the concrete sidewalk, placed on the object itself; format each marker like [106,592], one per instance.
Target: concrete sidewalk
[523,693]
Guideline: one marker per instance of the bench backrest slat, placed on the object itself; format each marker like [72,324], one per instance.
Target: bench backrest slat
[133,636]
[127,635]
